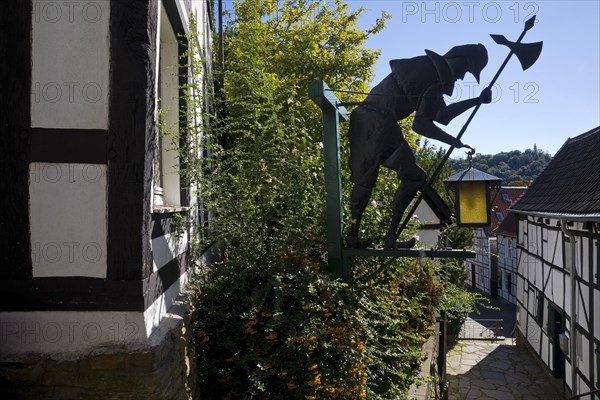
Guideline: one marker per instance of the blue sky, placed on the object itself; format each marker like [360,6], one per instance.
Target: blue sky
[557,98]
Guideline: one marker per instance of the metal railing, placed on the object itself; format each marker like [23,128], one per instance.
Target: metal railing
[481,329]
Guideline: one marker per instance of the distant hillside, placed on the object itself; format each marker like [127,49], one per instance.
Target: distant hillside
[516,168]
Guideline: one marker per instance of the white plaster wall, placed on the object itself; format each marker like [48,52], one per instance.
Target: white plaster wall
[531,300]
[68,215]
[547,250]
[539,274]
[64,332]
[596,318]
[426,214]
[583,306]
[534,271]
[567,291]
[558,251]
[595,271]
[520,316]
[545,353]
[583,356]
[533,333]
[567,373]
[520,295]
[582,387]
[585,256]
[158,310]
[68,334]
[427,237]
[167,247]
[550,250]
[520,234]
[535,239]
[70,64]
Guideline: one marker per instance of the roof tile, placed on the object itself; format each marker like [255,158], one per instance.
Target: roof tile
[571,181]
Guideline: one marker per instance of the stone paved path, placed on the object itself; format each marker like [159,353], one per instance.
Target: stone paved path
[485,370]
[497,370]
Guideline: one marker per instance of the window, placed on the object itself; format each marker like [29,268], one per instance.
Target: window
[509,282]
[568,254]
[500,216]
[166,166]
[506,198]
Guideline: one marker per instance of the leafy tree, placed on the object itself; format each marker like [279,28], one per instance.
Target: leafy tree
[273,167]
[269,322]
[512,166]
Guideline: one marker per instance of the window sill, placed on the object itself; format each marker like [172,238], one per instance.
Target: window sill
[165,209]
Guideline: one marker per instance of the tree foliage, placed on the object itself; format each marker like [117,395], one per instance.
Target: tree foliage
[514,167]
[272,166]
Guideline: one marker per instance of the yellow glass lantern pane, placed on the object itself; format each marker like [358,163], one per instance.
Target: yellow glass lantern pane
[473,203]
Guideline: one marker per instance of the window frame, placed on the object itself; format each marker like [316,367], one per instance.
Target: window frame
[169,188]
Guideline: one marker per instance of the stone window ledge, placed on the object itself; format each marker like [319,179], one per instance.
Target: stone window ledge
[165,209]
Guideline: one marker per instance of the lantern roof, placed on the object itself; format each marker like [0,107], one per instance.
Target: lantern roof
[470,175]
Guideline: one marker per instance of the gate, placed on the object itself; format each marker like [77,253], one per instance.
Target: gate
[481,329]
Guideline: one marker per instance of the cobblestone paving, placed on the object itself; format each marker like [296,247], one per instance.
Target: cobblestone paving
[500,370]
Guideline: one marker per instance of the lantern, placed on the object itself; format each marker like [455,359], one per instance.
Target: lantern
[472,194]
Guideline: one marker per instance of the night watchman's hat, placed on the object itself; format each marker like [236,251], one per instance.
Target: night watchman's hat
[475,54]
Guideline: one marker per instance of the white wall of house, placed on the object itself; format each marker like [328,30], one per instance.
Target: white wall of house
[70,64]
[544,290]
[507,268]
[69,90]
[427,237]
[481,265]
[68,201]
[170,246]
[68,334]
[68,219]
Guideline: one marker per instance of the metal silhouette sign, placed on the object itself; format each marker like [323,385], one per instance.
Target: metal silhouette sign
[415,85]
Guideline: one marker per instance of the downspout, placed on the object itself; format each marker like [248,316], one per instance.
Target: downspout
[567,232]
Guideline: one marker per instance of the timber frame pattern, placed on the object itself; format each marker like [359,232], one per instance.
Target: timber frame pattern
[126,148]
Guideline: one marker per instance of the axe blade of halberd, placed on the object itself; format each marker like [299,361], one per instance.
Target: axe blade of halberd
[527,53]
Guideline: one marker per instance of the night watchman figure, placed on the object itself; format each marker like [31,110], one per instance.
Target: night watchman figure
[415,85]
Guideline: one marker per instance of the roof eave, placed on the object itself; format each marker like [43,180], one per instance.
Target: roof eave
[554,215]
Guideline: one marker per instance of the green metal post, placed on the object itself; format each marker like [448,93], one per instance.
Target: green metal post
[319,92]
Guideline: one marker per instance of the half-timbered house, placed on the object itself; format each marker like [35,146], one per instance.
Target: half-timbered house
[558,282]
[94,252]
[506,238]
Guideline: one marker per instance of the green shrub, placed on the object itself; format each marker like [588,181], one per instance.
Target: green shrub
[279,328]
